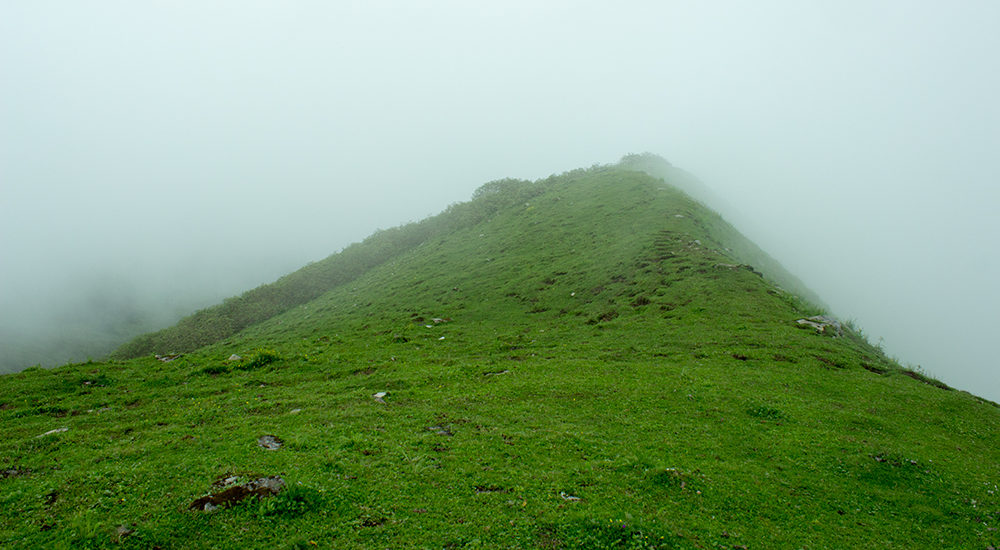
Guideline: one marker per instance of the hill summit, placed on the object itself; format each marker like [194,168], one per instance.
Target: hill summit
[591,360]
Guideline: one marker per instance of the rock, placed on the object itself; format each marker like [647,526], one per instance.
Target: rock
[225,481]
[568,497]
[261,488]
[167,358]
[823,325]
[498,373]
[295,411]
[380,396]
[270,442]
[440,430]
[234,357]
[14,472]
[124,531]
[50,432]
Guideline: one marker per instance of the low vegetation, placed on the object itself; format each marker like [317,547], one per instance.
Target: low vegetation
[593,360]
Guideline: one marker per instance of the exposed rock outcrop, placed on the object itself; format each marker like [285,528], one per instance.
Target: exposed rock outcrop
[822,324]
[261,488]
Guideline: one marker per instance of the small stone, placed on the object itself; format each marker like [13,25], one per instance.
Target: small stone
[568,497]
[167,358]
[50,432]
[295,411]
[234,357]
[124,531]
[380,396]
[225,481]
[269,442]
[440,430]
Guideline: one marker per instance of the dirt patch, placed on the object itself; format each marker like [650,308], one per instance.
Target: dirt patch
[372,522]
[829,362]
[872,368]
[929,381]
[14,472]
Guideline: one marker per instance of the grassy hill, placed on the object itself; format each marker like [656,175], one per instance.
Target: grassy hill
[593,360]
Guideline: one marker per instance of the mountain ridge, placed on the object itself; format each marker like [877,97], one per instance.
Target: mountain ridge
[592,360]
[237,313]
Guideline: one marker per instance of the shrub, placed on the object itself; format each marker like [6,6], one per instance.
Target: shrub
[215,369]
[290,503]
[259,358]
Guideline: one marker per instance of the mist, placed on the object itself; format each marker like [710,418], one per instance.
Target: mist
[158,157]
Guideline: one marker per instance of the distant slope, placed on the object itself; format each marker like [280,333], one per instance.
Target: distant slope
[235,314]
[598,248]
[744,249]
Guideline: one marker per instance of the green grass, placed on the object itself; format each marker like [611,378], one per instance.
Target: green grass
[587,346]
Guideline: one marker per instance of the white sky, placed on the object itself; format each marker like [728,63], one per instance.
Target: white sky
[206,147]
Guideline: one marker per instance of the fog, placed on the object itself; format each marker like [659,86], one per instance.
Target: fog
[168,154]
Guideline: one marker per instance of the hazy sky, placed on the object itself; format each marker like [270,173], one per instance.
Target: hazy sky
[209,146]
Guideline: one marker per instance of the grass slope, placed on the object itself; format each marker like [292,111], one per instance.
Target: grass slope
[235,314]
[601,340]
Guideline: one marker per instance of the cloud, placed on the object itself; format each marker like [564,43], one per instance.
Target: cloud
[223,143]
